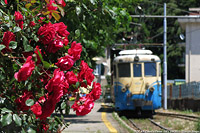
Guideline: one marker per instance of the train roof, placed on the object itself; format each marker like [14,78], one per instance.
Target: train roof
[135,52]
[139,57]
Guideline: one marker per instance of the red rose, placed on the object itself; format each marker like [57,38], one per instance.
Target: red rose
[83,106]
[44,126]
[19,19]
[57,94]
[75,50]
[45,110]
[84,66]
[41,19]
[7,38]
[71,77]
[54,35]
[32,24]
[85,73]
[44,78]
[26,70]
[66,41]
[21,101]
[96,91]
[36,109]
[61,2]
[6,2]
[89,76]
[50,5]
[65,63]
[46,33]
[61,29]
[55,46]
[58,82]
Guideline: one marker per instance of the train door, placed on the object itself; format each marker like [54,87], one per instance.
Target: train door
[137,85]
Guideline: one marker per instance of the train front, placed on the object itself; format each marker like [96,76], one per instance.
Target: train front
[137,82]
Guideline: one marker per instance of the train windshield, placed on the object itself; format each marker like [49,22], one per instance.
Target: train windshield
[124,69]
[150,69]
[137,71]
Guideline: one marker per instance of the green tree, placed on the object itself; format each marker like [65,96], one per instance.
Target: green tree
[96,24]
[150,30]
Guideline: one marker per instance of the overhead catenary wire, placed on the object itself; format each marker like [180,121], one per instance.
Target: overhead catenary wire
[169,7]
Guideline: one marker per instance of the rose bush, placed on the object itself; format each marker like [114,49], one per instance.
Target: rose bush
[40,68]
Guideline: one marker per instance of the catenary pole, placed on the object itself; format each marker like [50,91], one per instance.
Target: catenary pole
[165,58]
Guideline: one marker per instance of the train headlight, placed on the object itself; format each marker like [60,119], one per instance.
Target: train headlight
[152,89]
[136,58]
[124,89]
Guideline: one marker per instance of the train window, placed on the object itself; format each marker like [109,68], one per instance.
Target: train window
[124,69]
[150,68]
[137,70]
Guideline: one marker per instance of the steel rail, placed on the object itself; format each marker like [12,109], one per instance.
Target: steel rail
[132,122]
[164,128]
[181,116]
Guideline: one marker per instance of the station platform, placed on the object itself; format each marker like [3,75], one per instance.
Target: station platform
[99,120]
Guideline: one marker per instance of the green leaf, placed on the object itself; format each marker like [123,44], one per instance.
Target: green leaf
[5,110]
[63,105]
[93,1]
[17,29]
[25,41]
[36,38]
[77,84]
[46,64]
[83,25]
[41,58]
[85,81]
[29,102]
[17,119]
[56,16]
[30,130]
[1,68]
[7,119]
[58,120]
[61,10]
[26,45]
[77,32]
[28,48]
[28,5]
[13,45]
[2,47]
[78,10]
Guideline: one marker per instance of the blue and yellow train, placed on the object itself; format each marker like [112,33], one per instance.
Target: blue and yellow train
[136,81]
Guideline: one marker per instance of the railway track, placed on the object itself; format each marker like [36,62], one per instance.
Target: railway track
[137,128]
[149,124]
[181,116]
[161,127]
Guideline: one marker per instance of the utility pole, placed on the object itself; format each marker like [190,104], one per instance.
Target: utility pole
[165,57]
[165,44]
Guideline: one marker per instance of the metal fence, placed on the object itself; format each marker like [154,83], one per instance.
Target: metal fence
[188,90]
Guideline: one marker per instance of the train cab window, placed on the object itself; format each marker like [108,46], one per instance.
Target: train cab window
[124,69]
[150,69]
[137,71]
